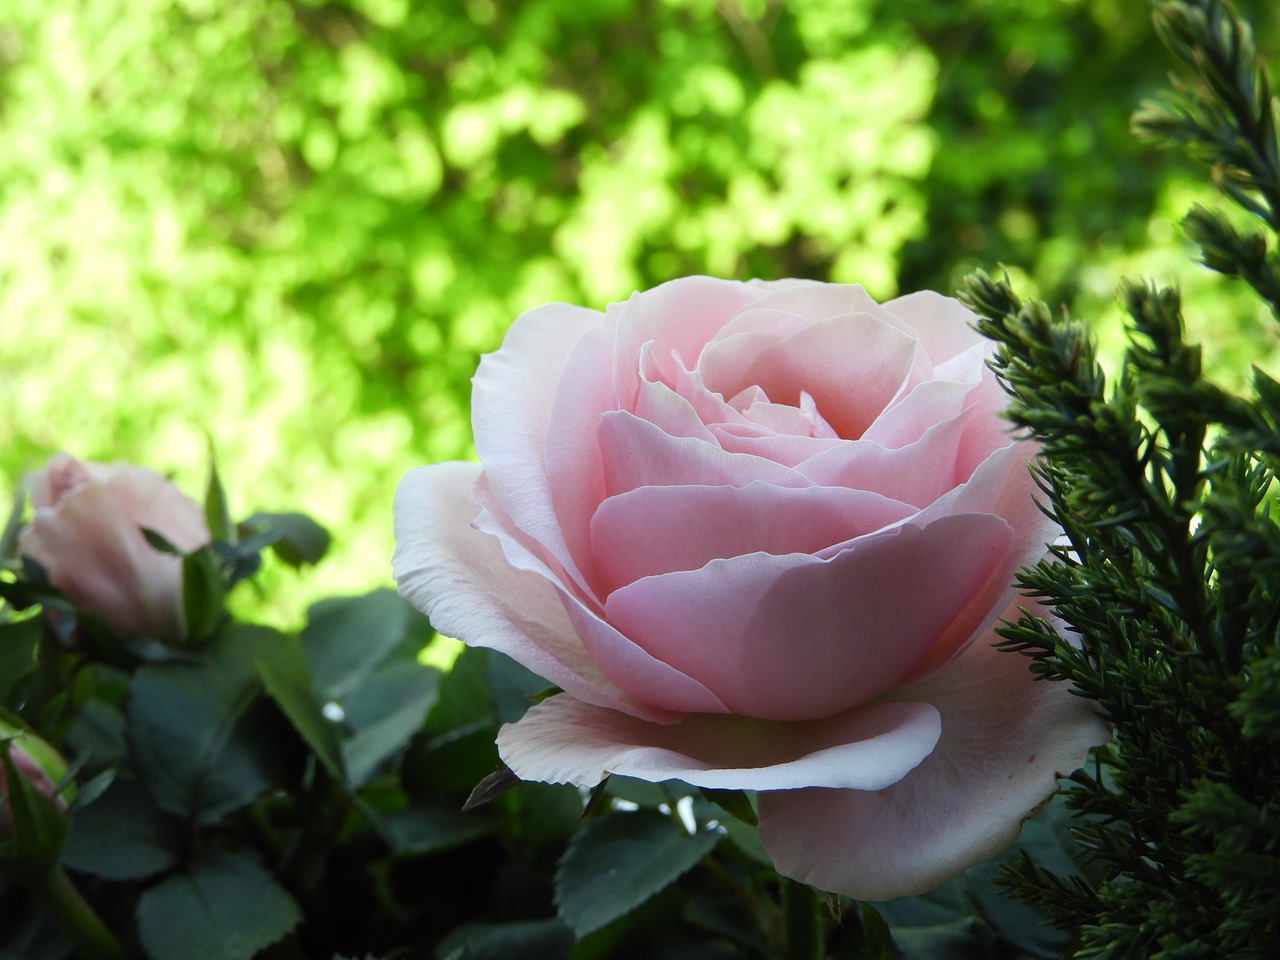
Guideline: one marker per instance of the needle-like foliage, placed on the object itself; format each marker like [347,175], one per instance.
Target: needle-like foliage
[1169,573]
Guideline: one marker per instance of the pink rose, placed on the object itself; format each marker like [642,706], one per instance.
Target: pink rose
[34,760]
[759,534]
[87,534]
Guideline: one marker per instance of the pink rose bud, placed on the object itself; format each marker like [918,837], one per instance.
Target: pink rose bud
[760,535]
[37,762]
[87,534]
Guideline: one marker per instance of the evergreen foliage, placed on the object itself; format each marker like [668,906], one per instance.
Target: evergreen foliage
[1169,574]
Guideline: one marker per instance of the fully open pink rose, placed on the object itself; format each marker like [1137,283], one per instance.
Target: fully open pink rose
[87,534]
[759,534]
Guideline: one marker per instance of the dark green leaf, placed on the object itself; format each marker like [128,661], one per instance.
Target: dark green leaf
[122,836]
[204,740]
[14,523]
[295,537]
[522,940]
[203,594]
[347,637]
[734,802]
[160,541]
[225,908]
[876,931]
[466,697]
[97,732]
[491,787]
[421,830]
[18,643]
[619,861]
[93,788]
[513,687]
[385,711]
[282,666]
[39,827]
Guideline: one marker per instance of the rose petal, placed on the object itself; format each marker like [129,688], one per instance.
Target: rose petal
[1002,485]
[655,530]
[851,365]
[678,318]
[563,740]
[795,637]
[944,325]
[465,585]
[87,534]
[918,473]
[637,453]
[789,451]
[651,682]
[511,400]
[1005,741]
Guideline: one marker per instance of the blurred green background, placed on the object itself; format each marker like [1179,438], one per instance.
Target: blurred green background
[294,226]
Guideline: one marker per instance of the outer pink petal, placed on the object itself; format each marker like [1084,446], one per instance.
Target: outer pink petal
[461,580]
[1005,741]
[512,397]
[562,740]
[1002,485]
[655,530]
[797,637]
[100,559]
[86,532]
[944,325]
[657,689]
[573,459]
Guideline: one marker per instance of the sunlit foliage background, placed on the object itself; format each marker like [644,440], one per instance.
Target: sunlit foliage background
[294,226]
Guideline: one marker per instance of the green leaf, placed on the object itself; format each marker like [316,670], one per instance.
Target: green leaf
[513,687]
[39,827]
[282,666]
[14,524]
[465,694]
[936,926]
[491,787]
[295,537]
[876,932]
[217,513]
[386,710]
[121,836]
[421,830]
[520,940]
[160,542]
[18,643]
[203,594]
[347,637]
[734,802]
[225,908]
[204,740]
[619,861]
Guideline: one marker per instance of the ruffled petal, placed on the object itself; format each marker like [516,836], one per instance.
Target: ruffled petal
[853,366]
[512,396]
[637,453]
[563,740]
[656,530]
[943,324]
[796,637]
[678,318]
[1005,741]
[460,578]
